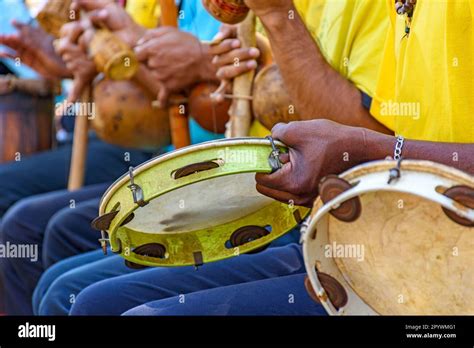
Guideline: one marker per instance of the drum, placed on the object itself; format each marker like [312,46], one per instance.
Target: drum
[26,120]
[393,239]
[196,205]
[125,116]
[271,102]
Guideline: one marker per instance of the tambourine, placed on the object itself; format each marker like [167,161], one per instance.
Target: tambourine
[196,205]
[125,116]
[393,238]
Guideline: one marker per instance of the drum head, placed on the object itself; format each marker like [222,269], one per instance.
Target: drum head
[203,205]
[402,254]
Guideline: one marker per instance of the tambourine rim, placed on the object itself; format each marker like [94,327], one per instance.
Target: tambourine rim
[317,214]
[174,154]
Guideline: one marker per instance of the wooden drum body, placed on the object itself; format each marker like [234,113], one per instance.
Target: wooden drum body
[399,248]
[196,205]
[26,125]
[125,116]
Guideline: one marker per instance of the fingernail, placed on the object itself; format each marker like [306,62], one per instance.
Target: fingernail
[252,64]
[217,37]
[214,60]
[235,44]
[254,52]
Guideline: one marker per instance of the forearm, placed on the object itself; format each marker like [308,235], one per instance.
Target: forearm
[379,146]
[317,90]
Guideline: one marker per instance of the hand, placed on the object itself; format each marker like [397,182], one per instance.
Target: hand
[34,47]
[316,148]
[113,16]
[72,48]
[177,60]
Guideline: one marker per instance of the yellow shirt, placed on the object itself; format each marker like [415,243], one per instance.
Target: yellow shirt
[144,12]
[350,35]
[426,84]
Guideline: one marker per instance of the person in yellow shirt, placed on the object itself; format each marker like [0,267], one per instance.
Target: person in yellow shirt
[341,57]
[424,94]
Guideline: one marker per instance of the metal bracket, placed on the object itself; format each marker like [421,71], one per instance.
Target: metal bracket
[395,172]
[103,242]
[137,192]
[198,259]
[274,158]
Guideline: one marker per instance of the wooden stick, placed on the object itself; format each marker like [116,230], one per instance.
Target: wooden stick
[79,146]
[179,122]
[240,112]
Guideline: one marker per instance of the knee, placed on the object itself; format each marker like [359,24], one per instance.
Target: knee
[14,225]
[59,297]
[55,237]
[90,301]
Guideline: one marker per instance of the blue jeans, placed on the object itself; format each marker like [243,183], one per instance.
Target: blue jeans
[284,295]
[58,221]
[122,289]
[49,171]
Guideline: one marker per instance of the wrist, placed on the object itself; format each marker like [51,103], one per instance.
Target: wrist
[376,146]
[206,70]
[278,19]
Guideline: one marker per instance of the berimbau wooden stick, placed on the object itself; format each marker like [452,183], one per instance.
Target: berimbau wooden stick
[241,112]
[179,123]
[80,144]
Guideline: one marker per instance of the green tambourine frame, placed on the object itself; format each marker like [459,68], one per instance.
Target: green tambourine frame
[178,170]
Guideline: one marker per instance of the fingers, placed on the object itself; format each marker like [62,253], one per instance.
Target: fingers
[281,131]
[284,197]
[98,17]
[72,31]
[154,34]
[18,25]
[230,71]
[279,180]
[238,55]
[225,31]
[8,55]
[90,5]
[76,90]
[224,47]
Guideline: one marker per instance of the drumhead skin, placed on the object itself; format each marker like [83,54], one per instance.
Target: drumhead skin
[194,200]
[402,255]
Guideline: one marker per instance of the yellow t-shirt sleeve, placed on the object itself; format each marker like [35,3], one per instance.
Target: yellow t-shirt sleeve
[144,12]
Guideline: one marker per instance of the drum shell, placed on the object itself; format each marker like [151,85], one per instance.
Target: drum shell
[112,56]
[54,15]
[125,116]
[26,124]
[271,102]
[227,11]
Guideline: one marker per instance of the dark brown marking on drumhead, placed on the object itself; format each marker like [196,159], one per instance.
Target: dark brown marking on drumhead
[194,168]
[334,290]
[463,195]
[331,187]
[247,234]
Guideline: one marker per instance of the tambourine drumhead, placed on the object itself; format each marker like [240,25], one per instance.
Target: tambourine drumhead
[199,205]
[402,254]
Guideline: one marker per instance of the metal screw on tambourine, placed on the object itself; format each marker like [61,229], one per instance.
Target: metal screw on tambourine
[137,192]
[395,172]
[274,158]
[103,242]
[303,229]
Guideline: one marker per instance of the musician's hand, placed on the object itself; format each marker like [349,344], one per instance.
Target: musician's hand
[176,59]
[72,49]
[114,17]
[34,47]
[316,148]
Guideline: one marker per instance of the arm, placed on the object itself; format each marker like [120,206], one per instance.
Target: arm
[318,148]
[312,83]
